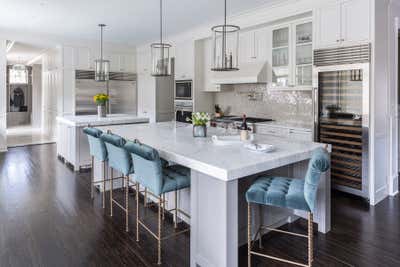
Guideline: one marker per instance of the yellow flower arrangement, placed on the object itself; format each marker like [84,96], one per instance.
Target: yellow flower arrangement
[100,99]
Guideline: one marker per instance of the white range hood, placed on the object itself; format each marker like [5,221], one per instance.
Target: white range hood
[248,73]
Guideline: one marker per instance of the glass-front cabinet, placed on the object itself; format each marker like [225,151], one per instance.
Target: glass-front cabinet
[292,55]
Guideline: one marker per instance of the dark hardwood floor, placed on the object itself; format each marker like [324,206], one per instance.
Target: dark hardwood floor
[48,219]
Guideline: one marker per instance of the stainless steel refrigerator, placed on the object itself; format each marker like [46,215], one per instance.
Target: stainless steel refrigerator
[121,87]
[341,113]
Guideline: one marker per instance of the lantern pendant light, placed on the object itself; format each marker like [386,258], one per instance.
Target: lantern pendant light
[225,46]
[102,66]
[160,60]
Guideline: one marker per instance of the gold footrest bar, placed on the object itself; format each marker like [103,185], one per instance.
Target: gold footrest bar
[148,230]
[278,259]
[165,237]
[119,205]
[180,211]
[284,232]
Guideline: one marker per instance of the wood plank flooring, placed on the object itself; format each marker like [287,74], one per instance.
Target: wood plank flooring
[48,219]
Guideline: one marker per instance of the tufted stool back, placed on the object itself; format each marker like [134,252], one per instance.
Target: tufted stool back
[97,147]
[118,158]
[318,164]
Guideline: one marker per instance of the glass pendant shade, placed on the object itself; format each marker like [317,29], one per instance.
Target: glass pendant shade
[101,66]
[225,47]
[18,66]
[102,69]
[160,61]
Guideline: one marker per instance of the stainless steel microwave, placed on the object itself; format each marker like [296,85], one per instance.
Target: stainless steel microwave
[183,90]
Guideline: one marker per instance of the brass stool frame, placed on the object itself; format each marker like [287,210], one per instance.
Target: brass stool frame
[103,181]
[161,216]
[113,201]
[250,252]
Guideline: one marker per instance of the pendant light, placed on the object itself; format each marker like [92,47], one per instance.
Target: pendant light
[160,54]
[225,46]
[102,66]
[19,66]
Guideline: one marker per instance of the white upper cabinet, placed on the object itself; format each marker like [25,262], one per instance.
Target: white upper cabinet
[328,25]
[345,22]
[82,58]
[291,60]
[184,61]
[355,21]
[253,45]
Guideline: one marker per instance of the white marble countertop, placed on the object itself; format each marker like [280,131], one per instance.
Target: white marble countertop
[94,120]
[176,143]
[288,124]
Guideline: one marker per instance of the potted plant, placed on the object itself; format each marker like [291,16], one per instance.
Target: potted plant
[101,101]
[199,121]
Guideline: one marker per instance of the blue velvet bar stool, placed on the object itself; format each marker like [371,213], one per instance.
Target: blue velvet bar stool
[97,150]
[296,194]
[153,173]
[118,160]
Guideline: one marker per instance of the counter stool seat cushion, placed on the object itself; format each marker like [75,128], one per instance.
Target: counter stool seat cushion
[176,177]
[278,191]
[153,172]
[118,158]
[97,148]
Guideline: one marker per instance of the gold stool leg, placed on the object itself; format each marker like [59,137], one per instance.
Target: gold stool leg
[248,235]
[127,204]
[111,192]
[92,179]
[163,207]
[137,211]
[310,240]
[261,222]
[159,230]
[145,197]
[104,184]
[176,210]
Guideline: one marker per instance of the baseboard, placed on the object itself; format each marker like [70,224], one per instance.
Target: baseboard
[380,195]
[394,187]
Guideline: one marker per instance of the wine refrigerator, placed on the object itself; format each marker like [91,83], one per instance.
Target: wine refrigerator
[341,114]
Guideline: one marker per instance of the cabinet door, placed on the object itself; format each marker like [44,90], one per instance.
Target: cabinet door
[68,57]
[82,58]
[303,61]
[115,62]
[328,25]
[355,21]
[281,57]
[184,61]
[127,63]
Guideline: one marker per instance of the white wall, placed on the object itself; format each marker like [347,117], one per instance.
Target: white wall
[393,31]
[3,96]
[36,119]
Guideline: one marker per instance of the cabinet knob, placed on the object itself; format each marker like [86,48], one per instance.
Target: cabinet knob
[337,40]
[342,40]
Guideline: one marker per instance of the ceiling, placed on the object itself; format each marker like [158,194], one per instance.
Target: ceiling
[23,53]
[129,21]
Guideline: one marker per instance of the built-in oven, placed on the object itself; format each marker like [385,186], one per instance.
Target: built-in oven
[183,90]
[183,110]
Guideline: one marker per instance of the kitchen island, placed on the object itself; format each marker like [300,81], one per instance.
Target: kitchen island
[72,144]
[220,176]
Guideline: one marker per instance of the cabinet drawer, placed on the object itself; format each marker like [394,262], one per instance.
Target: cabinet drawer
[270,130]
[300,135]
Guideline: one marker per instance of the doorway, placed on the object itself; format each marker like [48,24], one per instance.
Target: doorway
[24,95]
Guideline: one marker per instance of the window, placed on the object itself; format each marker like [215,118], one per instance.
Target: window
[18,76]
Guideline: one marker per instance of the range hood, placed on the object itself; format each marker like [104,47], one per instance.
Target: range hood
[248,73]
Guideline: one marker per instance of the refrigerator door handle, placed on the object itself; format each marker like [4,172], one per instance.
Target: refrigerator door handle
[315,108]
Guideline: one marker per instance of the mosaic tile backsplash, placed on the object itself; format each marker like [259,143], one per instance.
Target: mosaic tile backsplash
[257,101]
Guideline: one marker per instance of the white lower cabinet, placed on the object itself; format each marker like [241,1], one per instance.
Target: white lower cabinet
[281,131]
